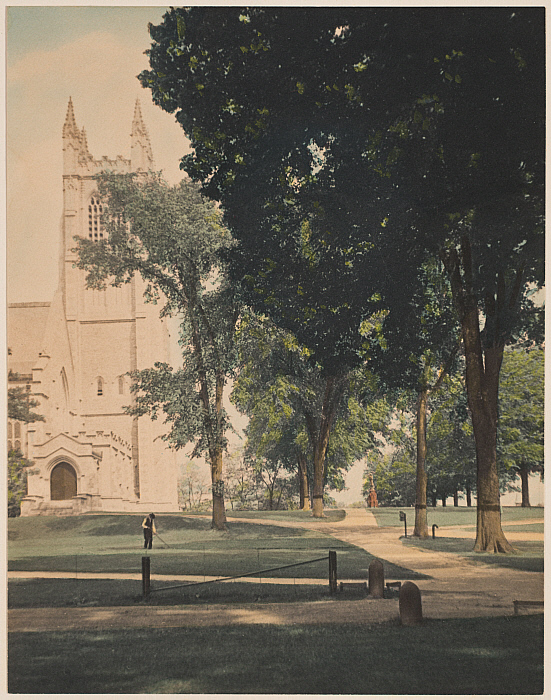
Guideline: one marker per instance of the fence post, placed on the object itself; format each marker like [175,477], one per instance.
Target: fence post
[146,576]
[332,571]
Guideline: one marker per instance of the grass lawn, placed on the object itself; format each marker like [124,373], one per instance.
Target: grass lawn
[59,593]
[528,556]
[112,543]
[329,515]
[480,656]
[450,516]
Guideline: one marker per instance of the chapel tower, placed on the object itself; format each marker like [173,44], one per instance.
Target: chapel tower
[93,338]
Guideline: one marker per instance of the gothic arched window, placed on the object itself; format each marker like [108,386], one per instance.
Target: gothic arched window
[10,434]
[100,386]
[17,431]
[94,219]
[121,384]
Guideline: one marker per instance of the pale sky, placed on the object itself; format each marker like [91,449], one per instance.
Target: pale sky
[92,54]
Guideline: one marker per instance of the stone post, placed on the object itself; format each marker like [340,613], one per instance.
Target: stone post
[411,612]
[376,579]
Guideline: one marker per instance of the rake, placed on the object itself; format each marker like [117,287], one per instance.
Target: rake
[162,540]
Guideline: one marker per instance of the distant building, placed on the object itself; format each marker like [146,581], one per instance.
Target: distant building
[74,354]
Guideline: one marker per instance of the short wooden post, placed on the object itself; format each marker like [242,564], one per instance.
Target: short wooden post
[376,575]
[146,576]
[404,520]
[411,611]
[332,571]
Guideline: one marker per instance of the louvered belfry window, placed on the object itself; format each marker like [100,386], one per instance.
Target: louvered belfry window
[95,232]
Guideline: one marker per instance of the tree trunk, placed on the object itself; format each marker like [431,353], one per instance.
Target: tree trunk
[303,482]
[421,528]
[434,500]
[320,438]
[456,499]
[444,499]
[523,472]
[218,506]
[468,493]
[482,379]
[482,390]
[319,463]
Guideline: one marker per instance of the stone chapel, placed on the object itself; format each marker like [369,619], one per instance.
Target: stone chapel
[74,353]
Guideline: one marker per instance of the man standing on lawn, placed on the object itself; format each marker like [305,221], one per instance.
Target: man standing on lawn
[148,525]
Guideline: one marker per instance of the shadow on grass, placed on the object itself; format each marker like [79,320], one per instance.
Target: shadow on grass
[59,593]
[481,656]
[528,556]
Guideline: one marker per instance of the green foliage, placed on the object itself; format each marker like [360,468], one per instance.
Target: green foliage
[241,482]
[522,410]
[281,391]
[393,476]
[264,130]
[358,167]
[451,457]
[17,481]
[174,240]
[265,124]
[20,404]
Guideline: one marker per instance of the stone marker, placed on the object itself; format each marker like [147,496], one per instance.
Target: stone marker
[411,612]
[376,579]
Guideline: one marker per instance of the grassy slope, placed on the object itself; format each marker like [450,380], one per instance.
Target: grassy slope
[113,543]
[484,656]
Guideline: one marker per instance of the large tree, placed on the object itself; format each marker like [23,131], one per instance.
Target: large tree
[173,238]
[282,391]
[364,140]
[301,252]
[415,355]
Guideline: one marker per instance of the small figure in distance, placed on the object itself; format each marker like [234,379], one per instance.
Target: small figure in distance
[148,530]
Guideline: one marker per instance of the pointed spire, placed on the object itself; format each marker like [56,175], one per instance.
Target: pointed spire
[70,129]
[84,152]
[142,155]
[137,122]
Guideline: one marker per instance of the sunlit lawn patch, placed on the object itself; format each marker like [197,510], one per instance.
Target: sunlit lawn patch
[450,516]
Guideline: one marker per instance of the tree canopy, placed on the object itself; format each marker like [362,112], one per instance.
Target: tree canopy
[281,392]
[366,141]
[172,237]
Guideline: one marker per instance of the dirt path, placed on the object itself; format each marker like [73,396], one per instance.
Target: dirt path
[454,587]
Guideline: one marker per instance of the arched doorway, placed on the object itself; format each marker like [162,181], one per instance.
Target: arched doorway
[63,482]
